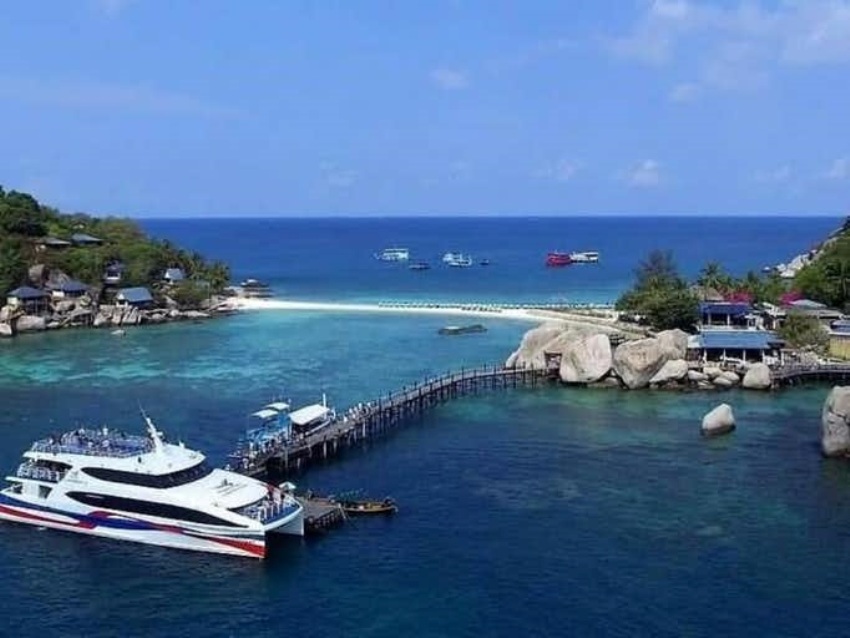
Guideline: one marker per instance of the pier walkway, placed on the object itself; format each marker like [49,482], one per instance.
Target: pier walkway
[369,420]
[794,374]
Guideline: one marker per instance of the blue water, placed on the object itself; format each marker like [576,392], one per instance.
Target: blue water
[320,259]
[545,512]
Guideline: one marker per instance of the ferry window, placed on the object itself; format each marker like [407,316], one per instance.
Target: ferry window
[158,481]
[149,508]
[44,491]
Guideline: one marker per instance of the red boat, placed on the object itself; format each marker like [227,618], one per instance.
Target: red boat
[558,259]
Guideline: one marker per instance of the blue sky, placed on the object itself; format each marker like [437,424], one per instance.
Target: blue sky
[224,108]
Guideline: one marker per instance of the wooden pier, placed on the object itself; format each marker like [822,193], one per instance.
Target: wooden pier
[790,375]
[320,515]
[372,419]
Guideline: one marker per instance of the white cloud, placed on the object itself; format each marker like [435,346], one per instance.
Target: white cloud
[334,176]
[85,94]
[778,175]
[840,169]
[563,170]
[449,79]
[644,174]
[111,8]
[736,46]
[685,92]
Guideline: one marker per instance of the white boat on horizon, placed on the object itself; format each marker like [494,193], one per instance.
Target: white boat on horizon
[103,482]
[584,257]
[457,260]
[393,254]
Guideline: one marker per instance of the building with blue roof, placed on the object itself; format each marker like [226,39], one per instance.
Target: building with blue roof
[139,297]
[720,344]
[727,313]
[70,289]
[32,301]
[82,239]
[173,275]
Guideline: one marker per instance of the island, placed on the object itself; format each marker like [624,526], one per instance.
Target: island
[61,270]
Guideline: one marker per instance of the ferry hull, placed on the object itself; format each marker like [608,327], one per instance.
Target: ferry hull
[110,525]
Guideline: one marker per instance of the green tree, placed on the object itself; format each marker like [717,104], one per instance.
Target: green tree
[660,294]
[714,276]
[801,330]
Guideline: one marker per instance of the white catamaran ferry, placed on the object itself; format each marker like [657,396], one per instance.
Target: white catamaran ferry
[140,488]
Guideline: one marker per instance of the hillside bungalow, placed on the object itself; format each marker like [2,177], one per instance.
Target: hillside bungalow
[729,314]
[82,239]
[71,289]
[139,297]
[839,339]
[173,276]
[53,243]
[113,274]
[815,309]
[736,345]
[31,300]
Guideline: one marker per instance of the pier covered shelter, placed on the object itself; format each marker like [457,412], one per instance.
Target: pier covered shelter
[310,418]
[729,344]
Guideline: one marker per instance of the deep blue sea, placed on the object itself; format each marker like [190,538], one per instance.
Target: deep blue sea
[547,512]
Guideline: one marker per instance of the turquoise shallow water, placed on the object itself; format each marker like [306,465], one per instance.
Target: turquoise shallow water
[544,512]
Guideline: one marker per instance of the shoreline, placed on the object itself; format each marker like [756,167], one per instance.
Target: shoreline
[596,318]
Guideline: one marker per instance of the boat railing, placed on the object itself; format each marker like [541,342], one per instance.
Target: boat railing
[270,509]
[101,446]
[40,473]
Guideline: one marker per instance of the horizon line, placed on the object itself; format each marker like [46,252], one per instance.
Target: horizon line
[486,216]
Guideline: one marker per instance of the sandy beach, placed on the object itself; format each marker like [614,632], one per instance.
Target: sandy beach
[534,315]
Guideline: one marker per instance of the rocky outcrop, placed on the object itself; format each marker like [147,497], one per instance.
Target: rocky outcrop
[835,422]
[586,359]
[719,421]
[757,377]
[530,353]
[673,344]
[672,371]
[29,323]
[636,362]
[696,376]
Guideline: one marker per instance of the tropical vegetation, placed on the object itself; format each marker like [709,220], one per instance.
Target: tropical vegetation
[25,224]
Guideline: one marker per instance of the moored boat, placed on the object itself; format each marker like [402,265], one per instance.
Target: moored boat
[104,482]
[558,259]
[462,330]
[420,265]
[358,507]
[585,257]
[457,260]
[393,254]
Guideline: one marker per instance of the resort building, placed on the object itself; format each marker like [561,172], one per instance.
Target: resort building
[82,239]
[139,297]
[31,300]
[174,276]
[731,345]
[113,274]
[53,243]
[815,309]
[69,290]
[729,314]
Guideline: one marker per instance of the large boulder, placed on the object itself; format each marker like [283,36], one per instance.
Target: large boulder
[6,330]
[29,323]
[696,376]
[720,420]
[673,343]
[835,421]
[37,275]
[586,359]
[531,348]
[103,317]
[636,362]
[6,313]
[674,370]
[757,377]
[731,377]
